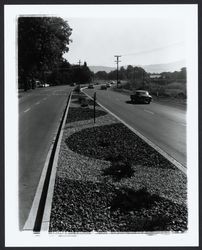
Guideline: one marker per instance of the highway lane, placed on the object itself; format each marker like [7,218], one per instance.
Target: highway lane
[164,125]
[40,112]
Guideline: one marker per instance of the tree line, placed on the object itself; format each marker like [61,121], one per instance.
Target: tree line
[137,77]
[42,42]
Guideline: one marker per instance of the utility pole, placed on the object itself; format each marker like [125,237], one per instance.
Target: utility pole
[117,73]
[79,62]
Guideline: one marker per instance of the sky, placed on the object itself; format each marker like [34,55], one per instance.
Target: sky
[139,41]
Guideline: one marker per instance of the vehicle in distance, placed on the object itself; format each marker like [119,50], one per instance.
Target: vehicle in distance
[39,84]
[73,84]
[108,85]
[90,86]
[119,85]
[104,86]
[141,96]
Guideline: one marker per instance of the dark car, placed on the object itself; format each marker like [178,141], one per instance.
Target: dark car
[90,86]
[141,96]
[104,86]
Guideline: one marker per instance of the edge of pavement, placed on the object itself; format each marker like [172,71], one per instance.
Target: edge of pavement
[150,143]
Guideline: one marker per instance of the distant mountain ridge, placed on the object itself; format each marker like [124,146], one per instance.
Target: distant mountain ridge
[95,69]
[152,68]
[164,67]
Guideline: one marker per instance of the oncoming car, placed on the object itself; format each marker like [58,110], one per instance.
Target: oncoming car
[104,86]
[90,86]
[141,96]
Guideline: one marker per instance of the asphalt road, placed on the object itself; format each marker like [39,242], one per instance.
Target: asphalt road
[164,125]
[40,112]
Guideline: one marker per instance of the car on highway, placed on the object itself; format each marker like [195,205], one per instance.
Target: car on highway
[39,84]
[90,86]
[119,85]
[141,96]
[104,86]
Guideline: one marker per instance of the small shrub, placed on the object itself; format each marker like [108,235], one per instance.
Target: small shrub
[81,98]
[84,102]
[120,167]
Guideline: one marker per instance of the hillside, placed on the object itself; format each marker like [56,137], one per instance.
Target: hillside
[152,68]
[166,67]
[95,69]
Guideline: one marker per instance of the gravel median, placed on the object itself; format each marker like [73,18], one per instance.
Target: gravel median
[110,180]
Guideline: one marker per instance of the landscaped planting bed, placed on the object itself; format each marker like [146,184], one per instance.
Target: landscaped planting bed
[110,180]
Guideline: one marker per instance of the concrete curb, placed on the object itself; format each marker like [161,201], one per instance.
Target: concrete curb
[150,143]
[31,220]
[49,198]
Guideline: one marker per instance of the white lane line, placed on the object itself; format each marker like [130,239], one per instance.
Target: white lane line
[45,98]
[148,111]
[37,103]
[27,110]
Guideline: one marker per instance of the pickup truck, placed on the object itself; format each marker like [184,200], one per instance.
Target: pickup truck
[141,96]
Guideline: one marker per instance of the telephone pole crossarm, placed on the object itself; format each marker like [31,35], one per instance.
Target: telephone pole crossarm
[79,62]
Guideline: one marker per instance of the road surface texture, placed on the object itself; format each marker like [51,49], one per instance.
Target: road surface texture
[164,125]
[40,112]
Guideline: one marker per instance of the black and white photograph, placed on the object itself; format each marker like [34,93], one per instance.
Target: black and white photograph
[101,125]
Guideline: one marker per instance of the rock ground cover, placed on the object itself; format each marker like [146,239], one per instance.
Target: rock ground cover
[109,180]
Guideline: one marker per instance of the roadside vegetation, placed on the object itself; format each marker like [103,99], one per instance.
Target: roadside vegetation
[42,42]
[163,85]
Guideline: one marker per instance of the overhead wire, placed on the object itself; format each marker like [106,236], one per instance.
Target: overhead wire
[153,50]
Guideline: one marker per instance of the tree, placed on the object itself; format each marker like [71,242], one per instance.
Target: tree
[101,75]
[183,73]
[42,41]
[122,73]
[129,72]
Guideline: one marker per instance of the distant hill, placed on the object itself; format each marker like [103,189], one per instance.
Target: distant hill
[171,67]
[152,68]
[95,69]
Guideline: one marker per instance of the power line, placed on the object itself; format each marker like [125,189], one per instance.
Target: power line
[153,50]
